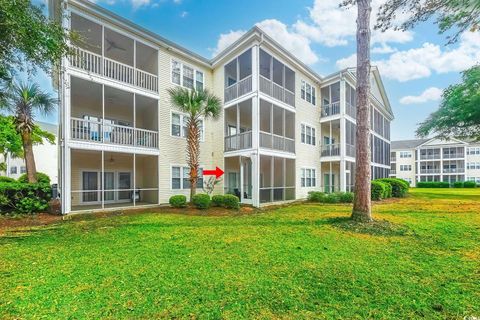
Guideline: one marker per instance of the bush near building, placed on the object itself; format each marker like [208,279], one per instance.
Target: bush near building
[399,186]
[335,197]
[378,190]
[24,198]
[178,201]
[231,201]
[201,201]
[433,184]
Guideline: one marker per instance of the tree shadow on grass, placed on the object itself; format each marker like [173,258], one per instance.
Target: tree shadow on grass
[382,228]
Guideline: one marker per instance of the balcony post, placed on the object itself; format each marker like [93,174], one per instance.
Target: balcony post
[255,68]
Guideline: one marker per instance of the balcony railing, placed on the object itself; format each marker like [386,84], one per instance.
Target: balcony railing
[427,171]
[238,141]
[96,64]
[350,150]
[453,155]
[238,89]
[430,157]
[330,109]
[276,91]
[97,131]
[330,150]
[276,142]
[392,172]
[453,170]
[351,110]
[393,159]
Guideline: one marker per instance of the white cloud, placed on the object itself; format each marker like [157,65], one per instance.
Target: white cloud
[184,14]
[332,25]
[383,49]
[292,41]
[421,62]
[227,39]
[348,62]
[430,94]
[177,1]
[139,3]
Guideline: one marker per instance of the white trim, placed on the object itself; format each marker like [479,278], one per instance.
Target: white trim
[182,115]
[182,64]
[181,166]
[306,124]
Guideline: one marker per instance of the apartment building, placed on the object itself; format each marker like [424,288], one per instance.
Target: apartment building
[46,157]
[284,130]
[435,160]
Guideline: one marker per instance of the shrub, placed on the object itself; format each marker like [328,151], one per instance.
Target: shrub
[27,198]
[378,189]
[388,191]
[201,201]
[399,186]
[316,196]
[231,201]
[458,184]
[6,179]
[218,200]
[346,197]
[178,201]
[433,184]
[469,184]
[41,178]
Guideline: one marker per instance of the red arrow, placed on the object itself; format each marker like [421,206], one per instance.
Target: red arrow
[217,172]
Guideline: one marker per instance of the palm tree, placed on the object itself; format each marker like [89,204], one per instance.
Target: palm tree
[23,101]
[197,105]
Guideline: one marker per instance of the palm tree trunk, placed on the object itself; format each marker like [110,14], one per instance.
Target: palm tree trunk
[29,158]
[362,203]
[193,154]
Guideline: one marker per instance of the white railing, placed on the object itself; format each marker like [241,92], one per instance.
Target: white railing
[273,194]
[277,91]
[238,141]
[330,150]
[95,63]
[96,131]
[350,150]
[453,155]
[430,157]
[330,109]
[429,170]
[238,89]
[276,142]
[351,110]
[453,170]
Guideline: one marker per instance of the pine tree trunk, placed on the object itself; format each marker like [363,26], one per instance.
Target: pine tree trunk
[362,203]
[29,158]
[193,154]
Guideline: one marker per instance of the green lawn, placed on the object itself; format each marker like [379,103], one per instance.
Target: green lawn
[293,263]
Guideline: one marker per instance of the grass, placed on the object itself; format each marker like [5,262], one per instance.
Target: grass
[293,262]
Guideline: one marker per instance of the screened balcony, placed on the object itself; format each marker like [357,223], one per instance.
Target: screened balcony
[330,100]
[330,139]
[453,166]
[105,52]
[119,118]
[453,152]
[238,178]
[238,126]
[277,127]
[430,167]
[277,179]
[429,154]
[238,76]
[276,79]
[101,179]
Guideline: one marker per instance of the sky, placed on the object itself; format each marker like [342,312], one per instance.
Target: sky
[416,65]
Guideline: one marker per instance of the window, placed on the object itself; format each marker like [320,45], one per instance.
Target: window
[308,135]
[23,169]
[13,170]
[307,92]
[473,165]
[473,151]
[181,178]
[308,178]
[187,76]
[405,167]
[405,154]
[90,183]
[176,66]
[475,179]
[179,126]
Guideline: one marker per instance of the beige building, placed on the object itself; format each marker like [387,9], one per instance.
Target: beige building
[435,160]
[284,130]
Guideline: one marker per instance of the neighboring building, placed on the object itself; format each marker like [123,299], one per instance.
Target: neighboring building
[46,157]
[283,131]
[435,160]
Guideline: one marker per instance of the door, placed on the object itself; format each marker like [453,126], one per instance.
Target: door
[328,185]
[109,183]
[233,182]
[90,182]
[124,182]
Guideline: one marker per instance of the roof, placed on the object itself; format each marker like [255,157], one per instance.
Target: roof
[49,127]
[407,144]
